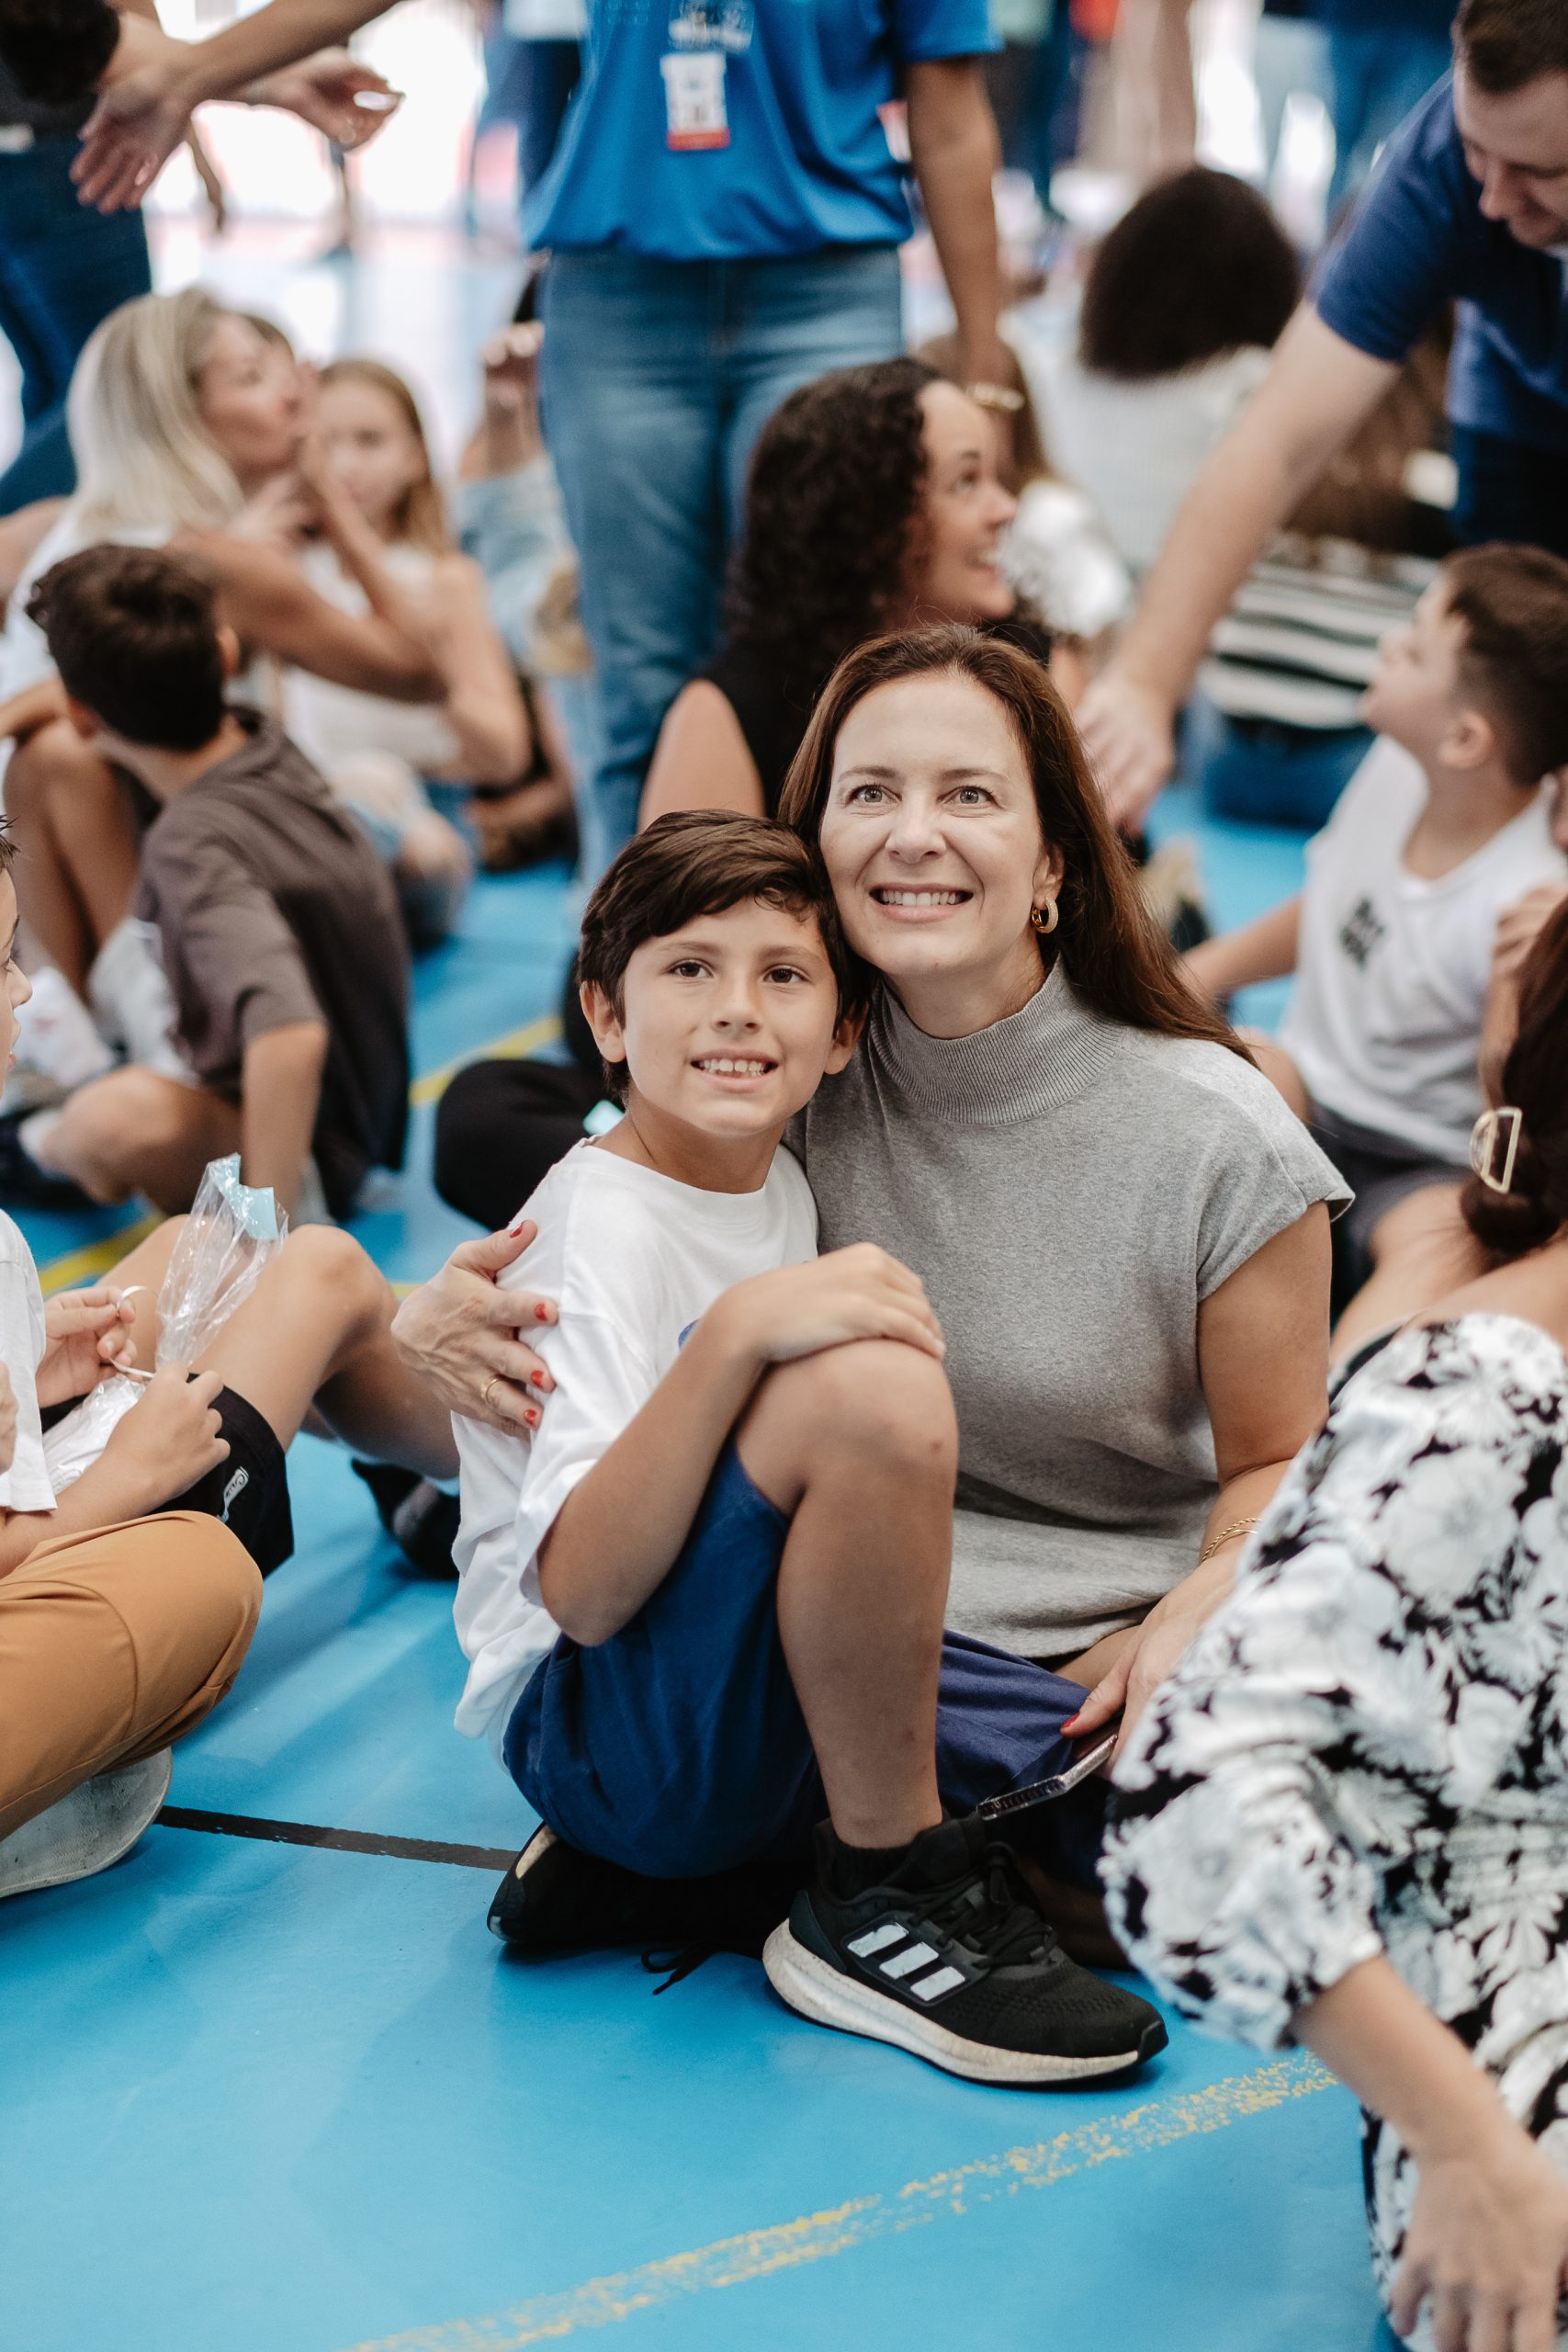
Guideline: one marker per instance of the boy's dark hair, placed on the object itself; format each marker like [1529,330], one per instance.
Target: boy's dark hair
[1514,604]
[1199,268]
[1505,44]
[57,49]
[703,861]
[134,637]
[1535,1206]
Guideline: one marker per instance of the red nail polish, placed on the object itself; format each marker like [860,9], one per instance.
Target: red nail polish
[531,1415]
[541,1312]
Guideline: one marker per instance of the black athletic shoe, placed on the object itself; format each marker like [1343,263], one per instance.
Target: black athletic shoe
[420,1518]
[554,1899]
[23,1183]
[950,1958]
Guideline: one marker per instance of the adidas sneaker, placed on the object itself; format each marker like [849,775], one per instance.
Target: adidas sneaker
[950,1958]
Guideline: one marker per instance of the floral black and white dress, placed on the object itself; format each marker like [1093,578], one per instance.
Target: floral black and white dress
[1366,1750]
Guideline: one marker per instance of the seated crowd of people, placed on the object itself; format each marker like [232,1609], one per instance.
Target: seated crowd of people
[965,1468]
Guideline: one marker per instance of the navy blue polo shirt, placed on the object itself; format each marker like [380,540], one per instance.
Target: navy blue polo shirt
[1418,240]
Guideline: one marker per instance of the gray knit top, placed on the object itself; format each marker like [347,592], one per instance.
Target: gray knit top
[1068,1190]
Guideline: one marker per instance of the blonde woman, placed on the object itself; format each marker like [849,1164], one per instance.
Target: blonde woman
[187,424]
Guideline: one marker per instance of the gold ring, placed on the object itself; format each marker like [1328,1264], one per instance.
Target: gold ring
[484,1391]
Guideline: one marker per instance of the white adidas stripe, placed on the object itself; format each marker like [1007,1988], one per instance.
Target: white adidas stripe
[940,1981]
[904,1963]
[877,1940]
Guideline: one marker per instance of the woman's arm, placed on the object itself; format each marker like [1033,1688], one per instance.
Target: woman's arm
[34,708]
[483,703]
[701,760]
[1263,1363]
[1488,2237]
[271,606]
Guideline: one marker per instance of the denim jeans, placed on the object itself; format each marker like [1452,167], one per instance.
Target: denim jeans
[1375,77]
[1255,772]
[63,268]
[1509,490]
[657,376]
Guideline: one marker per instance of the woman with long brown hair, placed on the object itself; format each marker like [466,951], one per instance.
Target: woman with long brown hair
[1121,1229]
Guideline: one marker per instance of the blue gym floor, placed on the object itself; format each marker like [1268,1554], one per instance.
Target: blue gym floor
[266,2096]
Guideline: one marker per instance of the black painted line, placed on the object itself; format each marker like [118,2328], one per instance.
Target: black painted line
[341,1841]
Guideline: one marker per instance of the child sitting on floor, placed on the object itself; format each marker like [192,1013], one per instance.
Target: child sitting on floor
[672,1649]
[1443,828]
[312,1337]
[276,921]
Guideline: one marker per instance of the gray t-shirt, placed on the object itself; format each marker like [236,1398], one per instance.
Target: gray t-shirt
[1069,1190]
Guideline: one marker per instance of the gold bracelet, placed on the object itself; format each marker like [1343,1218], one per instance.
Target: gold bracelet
[1238,1527]
[998,396]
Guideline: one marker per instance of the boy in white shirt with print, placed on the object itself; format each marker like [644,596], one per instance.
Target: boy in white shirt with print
[1444,826]
[673,1648]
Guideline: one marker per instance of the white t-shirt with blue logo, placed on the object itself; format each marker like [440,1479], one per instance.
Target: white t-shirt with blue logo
[632,1259]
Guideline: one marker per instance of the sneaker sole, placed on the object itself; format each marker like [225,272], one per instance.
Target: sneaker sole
[821,1992]
[99,1845]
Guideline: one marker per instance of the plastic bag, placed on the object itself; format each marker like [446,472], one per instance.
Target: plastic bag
[234,1231]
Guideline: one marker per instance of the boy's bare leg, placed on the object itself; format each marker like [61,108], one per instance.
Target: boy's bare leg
[315,1331]
[73,828]
[133,1130]
[1420,1251]
[860,1445]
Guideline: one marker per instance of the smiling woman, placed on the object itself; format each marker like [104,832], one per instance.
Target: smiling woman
[1123,1236]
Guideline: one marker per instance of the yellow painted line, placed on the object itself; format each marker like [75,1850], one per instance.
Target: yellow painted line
[95,1257]
[815,2237]
[514,1047]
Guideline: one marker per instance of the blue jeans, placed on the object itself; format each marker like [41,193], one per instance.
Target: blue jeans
[1509,490]
[63,268]
[657,376]
[1375,77]
[1257,772]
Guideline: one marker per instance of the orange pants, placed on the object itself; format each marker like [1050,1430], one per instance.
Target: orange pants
[113,1644]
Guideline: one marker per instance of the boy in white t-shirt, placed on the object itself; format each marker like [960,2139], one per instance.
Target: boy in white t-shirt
[1443,828]
[694,1628]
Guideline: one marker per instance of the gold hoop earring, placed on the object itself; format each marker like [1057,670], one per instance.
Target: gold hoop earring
[1044,919]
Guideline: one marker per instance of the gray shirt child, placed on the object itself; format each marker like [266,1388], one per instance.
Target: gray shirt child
[1069,1190]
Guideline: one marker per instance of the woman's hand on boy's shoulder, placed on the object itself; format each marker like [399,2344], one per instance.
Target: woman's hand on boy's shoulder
[856,1293]
[459,1334]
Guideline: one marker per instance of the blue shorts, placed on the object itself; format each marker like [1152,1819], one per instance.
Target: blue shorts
[678,1746]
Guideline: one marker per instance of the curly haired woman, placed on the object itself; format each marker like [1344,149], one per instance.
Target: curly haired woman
[873,504]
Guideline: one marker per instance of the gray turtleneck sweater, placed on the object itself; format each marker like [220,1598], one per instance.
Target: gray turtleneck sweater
[1068,1190]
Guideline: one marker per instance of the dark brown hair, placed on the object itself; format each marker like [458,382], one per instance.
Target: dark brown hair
[1109,944]
[134,637]
[1198,267]
[834,500]
[1514,604]
[1505,44]
[702,862]
[1532,1080]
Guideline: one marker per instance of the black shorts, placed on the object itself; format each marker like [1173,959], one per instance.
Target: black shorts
[249,1491]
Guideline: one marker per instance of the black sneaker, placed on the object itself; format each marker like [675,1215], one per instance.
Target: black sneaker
[23,1183]
[420,1518]
[949,1958]
[555,1899]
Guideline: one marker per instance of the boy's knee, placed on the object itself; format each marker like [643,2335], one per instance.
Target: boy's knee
[109,1127]
[336,1268]
[885,1404]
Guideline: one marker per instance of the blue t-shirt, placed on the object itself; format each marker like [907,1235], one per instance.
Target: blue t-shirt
[774,105]
[1418,240]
